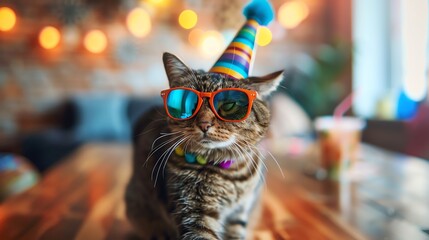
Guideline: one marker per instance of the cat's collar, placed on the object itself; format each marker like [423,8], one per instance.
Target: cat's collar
[198,159]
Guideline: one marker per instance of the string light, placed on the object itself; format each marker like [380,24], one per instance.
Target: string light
[49,37]
[195,36]
[158,3]
[264,36]
[139,23]
[291,14]
[188,19]
[7,19]
[95,41]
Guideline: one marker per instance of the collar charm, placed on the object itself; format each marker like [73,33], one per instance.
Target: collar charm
[198,159]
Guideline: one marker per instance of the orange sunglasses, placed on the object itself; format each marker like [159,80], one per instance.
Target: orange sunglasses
[228,104]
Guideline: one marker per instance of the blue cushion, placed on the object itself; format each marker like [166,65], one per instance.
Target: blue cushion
[102,117]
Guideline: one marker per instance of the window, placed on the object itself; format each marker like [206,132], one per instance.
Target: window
[390,54]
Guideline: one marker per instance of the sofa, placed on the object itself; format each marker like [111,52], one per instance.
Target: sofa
[82,119]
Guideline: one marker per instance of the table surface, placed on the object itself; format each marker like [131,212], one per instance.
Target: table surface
[387,197]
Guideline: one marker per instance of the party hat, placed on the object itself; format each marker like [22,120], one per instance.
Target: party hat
[236,61]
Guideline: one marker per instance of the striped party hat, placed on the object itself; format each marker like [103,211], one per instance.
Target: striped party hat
[236,61]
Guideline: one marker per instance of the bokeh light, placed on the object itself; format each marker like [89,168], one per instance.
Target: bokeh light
[7,19]
[49,37]
[212,43]
[264,36]
[139,22]
[278,31]
[188,19]
[291,14]
[95,41]
[158,3]
[195,36]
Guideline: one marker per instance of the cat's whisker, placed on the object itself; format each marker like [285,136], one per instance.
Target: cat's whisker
[167,154]
[249,165]
[162,136]
[170,133]
[240,152]
[240,155]
[158,161]
[259,171]
[175,146]
[233,154]
[278,165]
[255,152]
[258,154]
[146,131]
[254,163]
[261,158]
[153,151]
[251,161]
[177,138]
[161,146]
[280,86]
[187,143]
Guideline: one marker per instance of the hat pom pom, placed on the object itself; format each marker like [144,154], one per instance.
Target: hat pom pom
[259,10]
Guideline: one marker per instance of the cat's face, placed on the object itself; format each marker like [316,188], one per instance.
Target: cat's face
[205,132]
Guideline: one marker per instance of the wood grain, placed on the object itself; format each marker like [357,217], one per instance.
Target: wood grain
[82,198]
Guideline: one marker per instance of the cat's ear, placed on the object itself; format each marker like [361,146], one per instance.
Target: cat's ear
[174,68]
[266,84]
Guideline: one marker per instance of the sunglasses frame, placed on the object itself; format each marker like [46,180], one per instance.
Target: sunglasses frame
[251,95]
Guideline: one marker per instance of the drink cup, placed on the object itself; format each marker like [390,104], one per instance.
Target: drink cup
[339,140]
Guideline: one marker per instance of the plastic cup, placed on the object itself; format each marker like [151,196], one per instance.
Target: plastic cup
[339,140]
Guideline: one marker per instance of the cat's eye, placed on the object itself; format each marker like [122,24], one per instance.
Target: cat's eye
[229,104]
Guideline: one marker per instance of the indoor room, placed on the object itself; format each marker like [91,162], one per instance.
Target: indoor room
[227,119]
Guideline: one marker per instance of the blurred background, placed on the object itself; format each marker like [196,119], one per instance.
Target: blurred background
[73,71]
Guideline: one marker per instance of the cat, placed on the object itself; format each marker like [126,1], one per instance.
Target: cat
[168,198]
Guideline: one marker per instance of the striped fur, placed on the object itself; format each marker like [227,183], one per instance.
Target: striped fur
[169,199]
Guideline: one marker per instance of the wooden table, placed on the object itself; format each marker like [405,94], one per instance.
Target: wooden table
[82,198]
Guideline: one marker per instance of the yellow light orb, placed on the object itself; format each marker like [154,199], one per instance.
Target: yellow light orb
[264,36]
[139,23]
[195,36]
[188,19]
[95,41]
[7,19]
[291,14]
[158,3]
[49,37]
[212,43]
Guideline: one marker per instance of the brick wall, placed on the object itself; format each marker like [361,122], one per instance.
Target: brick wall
[33,80]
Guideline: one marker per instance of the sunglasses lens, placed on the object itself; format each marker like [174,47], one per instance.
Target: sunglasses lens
[231,104]
[181,103]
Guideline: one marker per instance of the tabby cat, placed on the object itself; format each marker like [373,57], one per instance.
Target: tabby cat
[169,197]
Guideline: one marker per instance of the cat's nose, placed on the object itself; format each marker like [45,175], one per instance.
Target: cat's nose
[204,125]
